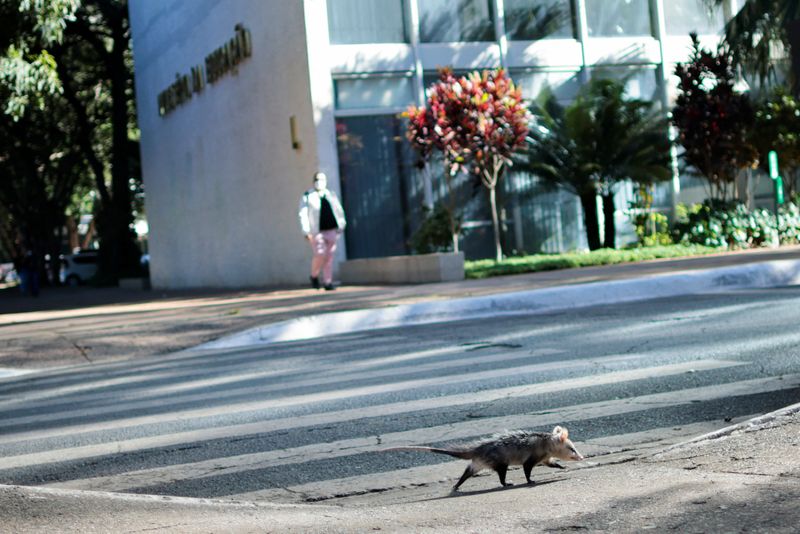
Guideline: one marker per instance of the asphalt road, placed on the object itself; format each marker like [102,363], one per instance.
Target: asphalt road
[305,421]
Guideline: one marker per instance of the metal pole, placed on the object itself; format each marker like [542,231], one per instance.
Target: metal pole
[583,36]
[500,32]
[419,89]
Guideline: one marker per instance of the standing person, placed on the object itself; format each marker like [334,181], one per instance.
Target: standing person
[29,274]
[322,221]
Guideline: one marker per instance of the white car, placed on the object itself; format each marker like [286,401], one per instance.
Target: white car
[78,268]
[7,273]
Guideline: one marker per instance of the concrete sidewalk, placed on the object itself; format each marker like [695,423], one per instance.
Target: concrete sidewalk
[744,479]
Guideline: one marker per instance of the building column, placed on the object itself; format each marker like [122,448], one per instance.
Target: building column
[664,75]
[419,89]
[583,36]
[500,32]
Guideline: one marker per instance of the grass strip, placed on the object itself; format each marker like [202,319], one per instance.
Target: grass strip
[550,262]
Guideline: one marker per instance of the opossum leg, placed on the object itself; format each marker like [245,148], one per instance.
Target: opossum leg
[468,472]
[501,472]
[527,467]
[554,465]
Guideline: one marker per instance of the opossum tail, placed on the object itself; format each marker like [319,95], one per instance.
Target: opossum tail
[466,455]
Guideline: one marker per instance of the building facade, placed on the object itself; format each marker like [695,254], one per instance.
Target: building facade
[241,101]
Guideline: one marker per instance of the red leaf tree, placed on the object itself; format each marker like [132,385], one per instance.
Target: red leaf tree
[713,119]
[477,122]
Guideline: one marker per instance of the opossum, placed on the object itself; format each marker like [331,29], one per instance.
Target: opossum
[517,447]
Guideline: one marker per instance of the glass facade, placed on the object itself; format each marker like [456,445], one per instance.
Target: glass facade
[366,21]
[563,84]
[531,20]
[450,21]
[640,81]
[685,16]
[619,18]
[383,191]
[373,92]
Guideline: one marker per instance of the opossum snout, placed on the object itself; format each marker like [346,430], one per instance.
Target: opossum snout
[569,452]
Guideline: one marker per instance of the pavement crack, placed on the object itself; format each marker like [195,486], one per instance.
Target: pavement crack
[77,347]
[751,473]
[303,495]
[161,528]
[637,346]
[655,460]
[480,345]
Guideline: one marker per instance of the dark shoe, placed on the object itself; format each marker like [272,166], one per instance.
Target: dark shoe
[329,287]
[314,282]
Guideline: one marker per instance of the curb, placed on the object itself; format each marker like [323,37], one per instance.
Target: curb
[750,424]
[751,276]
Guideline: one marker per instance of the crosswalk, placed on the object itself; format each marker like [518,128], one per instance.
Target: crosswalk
[292,423]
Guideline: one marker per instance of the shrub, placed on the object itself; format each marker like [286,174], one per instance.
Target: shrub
[652,228]
[435,232]
[789,223]
[716,223]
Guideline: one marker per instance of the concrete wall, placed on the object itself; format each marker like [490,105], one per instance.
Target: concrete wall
[221,176]
[416,269]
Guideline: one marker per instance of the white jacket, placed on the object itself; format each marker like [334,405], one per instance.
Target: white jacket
[310,204]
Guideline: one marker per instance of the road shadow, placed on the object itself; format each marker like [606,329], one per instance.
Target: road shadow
[461,493]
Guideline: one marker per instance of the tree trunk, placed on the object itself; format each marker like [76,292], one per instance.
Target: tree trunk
[451,209]
[119,254]
[498,251]
[589,205]
[610,229]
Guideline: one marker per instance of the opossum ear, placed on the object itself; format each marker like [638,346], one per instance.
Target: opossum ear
[560,433]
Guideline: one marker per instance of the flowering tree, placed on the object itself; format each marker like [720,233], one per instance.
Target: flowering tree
[712,119]
[476,122]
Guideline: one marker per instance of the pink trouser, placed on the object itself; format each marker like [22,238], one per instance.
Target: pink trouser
[323,245]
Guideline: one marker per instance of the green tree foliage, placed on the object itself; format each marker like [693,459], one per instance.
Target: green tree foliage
[713,120]
[75,55]
[477,122]
[39,174]
[599,141]
[777,127]
[628,141]
[39,164]
[758,37]
[26,66]
[556,152]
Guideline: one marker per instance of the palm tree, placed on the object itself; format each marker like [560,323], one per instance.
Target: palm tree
[631,143]
[556,154]
[759,32]
[595,143]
